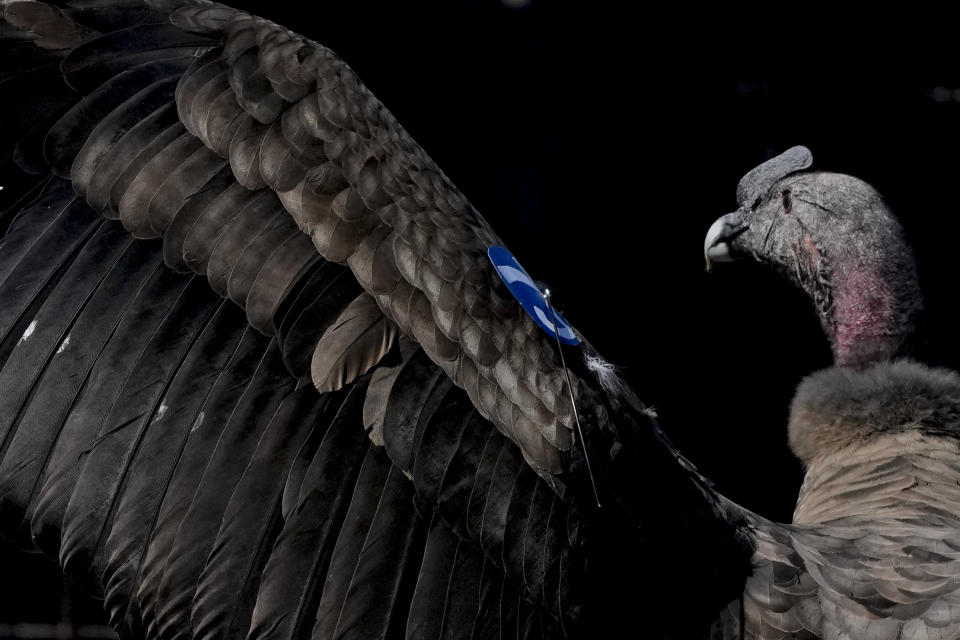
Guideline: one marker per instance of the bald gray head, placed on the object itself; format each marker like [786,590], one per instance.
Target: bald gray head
[833,236]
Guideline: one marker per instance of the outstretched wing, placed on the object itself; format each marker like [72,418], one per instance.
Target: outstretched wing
[220,222]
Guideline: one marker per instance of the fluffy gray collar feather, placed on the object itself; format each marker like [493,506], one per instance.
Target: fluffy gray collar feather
[839,407]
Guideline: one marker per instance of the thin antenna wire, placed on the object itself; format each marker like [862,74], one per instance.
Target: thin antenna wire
[573,401]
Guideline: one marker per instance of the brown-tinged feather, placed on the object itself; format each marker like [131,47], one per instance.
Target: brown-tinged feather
[142,156]
[373,263]
[204,70]
[201,521]
[203,235]
[198,101]
[378,391]
[193,208]
[278,273]
[245,153]
[253,90]
[135,204]
[253,256]
[316,305]
[52,28]
[227,587]
[114,126]
[280,169]
[122,154]
[66,137]
[180,185]
[259,215]
[352,345]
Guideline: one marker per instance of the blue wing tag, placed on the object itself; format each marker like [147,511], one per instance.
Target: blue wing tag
[524,289]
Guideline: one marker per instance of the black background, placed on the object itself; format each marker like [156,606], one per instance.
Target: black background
[601,143]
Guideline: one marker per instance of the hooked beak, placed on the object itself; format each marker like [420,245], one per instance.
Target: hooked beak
[716,246]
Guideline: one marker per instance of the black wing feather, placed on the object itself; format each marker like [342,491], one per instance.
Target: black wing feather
[227,588]
[429,603]
[108,56]
[293,578]
[33,268]
[353,533]
[107,457]
[202,520]
[63,385]
[24,377]
[115,363]
[205,432]
[416,394]
[163,446]
[380,587]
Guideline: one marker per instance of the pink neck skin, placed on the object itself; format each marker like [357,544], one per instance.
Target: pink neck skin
[865,323]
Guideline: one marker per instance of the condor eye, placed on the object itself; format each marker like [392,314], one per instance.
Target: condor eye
[756,203]
[787,201]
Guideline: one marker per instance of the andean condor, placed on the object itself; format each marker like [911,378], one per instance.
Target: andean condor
[261,379]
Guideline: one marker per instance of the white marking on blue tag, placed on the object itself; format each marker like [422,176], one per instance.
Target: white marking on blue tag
[523,288]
